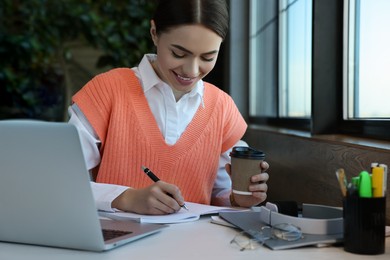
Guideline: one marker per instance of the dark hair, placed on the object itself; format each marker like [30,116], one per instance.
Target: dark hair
[213,14]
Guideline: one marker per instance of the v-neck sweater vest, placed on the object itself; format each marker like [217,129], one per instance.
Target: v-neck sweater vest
[117,109]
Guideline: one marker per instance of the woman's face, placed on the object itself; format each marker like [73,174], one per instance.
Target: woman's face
[185,54]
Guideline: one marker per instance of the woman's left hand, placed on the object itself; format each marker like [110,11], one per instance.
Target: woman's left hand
[258,188]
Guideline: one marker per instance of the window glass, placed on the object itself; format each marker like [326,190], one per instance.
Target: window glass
[295,58]
[368,59]
[280,58]
[263,47]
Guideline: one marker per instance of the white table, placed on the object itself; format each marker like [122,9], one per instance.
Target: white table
[194,240]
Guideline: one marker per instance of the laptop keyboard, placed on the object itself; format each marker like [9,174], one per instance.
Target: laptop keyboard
[111,234]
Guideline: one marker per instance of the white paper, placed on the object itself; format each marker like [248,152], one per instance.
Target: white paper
[194,212]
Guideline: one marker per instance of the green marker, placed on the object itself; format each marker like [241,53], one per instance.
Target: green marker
[365,189]
[355,181]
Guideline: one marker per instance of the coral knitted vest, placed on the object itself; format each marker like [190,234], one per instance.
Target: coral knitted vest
[116,107]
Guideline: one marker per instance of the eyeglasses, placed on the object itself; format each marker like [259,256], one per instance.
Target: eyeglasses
[286,232]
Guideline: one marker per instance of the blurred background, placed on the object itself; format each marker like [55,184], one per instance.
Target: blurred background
[49,49]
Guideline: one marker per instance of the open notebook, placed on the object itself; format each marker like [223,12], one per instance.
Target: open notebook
[194,212]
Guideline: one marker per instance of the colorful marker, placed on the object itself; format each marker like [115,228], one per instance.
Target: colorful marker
[377,177]
[365,187]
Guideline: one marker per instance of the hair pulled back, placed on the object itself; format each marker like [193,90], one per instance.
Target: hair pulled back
[213,14]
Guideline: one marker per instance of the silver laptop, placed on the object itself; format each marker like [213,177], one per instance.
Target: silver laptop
[45,193]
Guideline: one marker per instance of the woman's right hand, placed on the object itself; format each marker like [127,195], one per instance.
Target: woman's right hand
[157,199]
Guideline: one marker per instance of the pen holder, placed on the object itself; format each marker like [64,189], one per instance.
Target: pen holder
[364,225]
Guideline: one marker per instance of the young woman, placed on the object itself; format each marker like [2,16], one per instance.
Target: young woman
[161,115]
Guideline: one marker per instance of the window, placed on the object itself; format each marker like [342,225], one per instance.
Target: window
[295,58]
[368,59]
[263,53]
[320,66]
[280,58]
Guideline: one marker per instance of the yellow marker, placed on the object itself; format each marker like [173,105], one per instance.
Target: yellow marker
[377,177]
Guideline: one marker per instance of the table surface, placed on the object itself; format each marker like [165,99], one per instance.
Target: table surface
[193,240]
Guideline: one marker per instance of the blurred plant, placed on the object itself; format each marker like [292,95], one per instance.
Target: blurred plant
[33,48]
[121,30]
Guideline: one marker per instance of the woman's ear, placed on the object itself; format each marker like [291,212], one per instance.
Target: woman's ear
[153,32]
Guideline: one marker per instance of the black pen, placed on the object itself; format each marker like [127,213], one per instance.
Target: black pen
[156,179]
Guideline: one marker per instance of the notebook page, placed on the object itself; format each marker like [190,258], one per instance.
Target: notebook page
[194,212]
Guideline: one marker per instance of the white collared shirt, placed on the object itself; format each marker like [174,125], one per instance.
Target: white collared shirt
[172,118]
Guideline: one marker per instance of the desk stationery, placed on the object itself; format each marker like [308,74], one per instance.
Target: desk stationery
[191,240]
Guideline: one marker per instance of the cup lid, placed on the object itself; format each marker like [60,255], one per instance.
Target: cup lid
[247,153]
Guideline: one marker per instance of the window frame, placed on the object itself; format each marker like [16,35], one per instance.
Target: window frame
[327,111]
[372,128]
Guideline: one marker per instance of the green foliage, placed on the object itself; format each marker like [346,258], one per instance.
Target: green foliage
[121,30]
[33,47]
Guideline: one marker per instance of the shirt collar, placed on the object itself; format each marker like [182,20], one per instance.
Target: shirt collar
[150,79]
[147,74]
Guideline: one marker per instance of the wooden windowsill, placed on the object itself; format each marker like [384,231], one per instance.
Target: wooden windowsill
[359,142]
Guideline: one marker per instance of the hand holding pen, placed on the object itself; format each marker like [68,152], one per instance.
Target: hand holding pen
[152,200]
[154,178]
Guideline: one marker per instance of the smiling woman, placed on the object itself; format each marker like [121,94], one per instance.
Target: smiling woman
[188,53]
[185,55]
[163,115]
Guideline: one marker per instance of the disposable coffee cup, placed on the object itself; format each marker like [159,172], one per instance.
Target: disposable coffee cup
[245,162]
